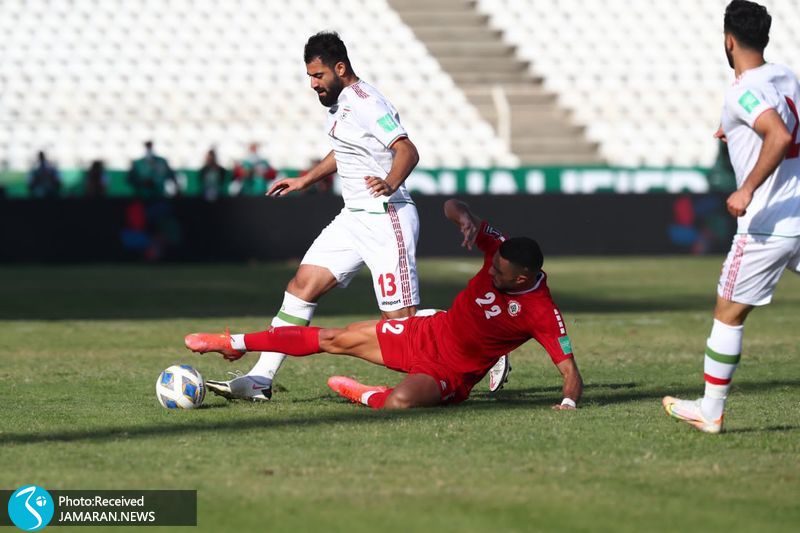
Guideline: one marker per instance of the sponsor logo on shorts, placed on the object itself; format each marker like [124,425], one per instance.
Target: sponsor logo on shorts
[390,302]
[748,101]
[443,383]
[514,307]
[566,345]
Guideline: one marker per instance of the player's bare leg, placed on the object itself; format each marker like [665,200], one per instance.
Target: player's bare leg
[731,313]
[311,282]
[416,390]
[399,313]
[357,340]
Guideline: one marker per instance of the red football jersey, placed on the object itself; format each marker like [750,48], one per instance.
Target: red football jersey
[484,323]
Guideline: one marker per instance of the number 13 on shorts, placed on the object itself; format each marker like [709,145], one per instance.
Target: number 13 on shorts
[387,284]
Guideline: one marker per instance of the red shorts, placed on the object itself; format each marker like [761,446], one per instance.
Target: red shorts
[409,345]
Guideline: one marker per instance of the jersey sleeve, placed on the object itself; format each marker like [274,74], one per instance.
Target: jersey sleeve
[747,103]
[550,331]
[381,121]
[488,239]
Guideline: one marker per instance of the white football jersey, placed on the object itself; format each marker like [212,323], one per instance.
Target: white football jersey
[775,208]
[361,127]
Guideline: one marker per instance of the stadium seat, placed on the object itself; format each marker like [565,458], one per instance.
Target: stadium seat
[195,73]
[637,70]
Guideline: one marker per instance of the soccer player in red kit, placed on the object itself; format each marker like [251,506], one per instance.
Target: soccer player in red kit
[445,354]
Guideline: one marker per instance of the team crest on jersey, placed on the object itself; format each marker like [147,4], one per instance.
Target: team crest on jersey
[346,110]
[514,308]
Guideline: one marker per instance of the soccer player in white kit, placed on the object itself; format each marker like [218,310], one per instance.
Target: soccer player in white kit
[760,125]
[378,225]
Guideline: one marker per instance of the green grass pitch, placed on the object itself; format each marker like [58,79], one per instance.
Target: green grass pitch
[82,347]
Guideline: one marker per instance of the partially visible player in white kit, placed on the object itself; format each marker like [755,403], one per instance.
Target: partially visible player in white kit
[760,125]
[378,225]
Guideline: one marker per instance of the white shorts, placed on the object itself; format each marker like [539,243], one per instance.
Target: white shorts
[385,242]
[754,265]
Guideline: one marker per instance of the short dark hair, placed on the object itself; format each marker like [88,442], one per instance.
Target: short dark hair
[523,252]
[328,47]
[749,23]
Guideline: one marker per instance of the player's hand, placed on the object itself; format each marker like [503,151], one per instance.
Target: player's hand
[378,187]
[469,230]
[719,134]
[738,201]
[285,186]
[562,407]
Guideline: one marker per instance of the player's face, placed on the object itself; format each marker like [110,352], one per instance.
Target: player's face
[505,276]
[324,81]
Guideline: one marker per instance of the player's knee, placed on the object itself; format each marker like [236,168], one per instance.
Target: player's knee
[332,340]
[311,282]
[398,400]
[402,399]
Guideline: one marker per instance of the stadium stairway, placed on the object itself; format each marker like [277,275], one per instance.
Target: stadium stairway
[540,131]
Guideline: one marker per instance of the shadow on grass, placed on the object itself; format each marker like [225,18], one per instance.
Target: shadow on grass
[595,395]
[767,429]
[613,393]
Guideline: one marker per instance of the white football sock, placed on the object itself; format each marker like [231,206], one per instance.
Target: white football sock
[237,342]
[723,350]
[294,312]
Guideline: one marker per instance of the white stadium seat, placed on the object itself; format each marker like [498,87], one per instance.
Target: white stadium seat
[634,70]
[645,78]
[191,74]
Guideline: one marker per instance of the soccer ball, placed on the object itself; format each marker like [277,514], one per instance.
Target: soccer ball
[180,387]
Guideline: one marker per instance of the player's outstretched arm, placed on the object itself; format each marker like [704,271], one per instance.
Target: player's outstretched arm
[467,221]
[405,159]
[777,140]
[326,167]
[573,384]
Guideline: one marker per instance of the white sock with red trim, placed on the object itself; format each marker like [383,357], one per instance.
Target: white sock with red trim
[294,312]
[723,350]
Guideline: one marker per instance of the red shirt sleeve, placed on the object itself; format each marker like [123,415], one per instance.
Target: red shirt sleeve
[550,331]
[489,239]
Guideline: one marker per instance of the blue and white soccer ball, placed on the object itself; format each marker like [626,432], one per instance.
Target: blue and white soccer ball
[180,387]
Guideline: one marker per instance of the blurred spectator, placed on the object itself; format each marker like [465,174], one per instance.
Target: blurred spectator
[323,186]
[151,176]
[44,180]
[95,180]
[252,174]
[151,230]
[212,177]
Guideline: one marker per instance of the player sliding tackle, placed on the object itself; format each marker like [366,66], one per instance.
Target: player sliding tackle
[445,354]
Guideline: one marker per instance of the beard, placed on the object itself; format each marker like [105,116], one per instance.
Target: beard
[332,93]
[729,55]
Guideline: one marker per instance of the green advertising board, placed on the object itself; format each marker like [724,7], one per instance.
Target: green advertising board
[525,180]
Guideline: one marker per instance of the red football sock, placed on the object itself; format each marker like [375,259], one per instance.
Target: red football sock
[378,399]
[291,340]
